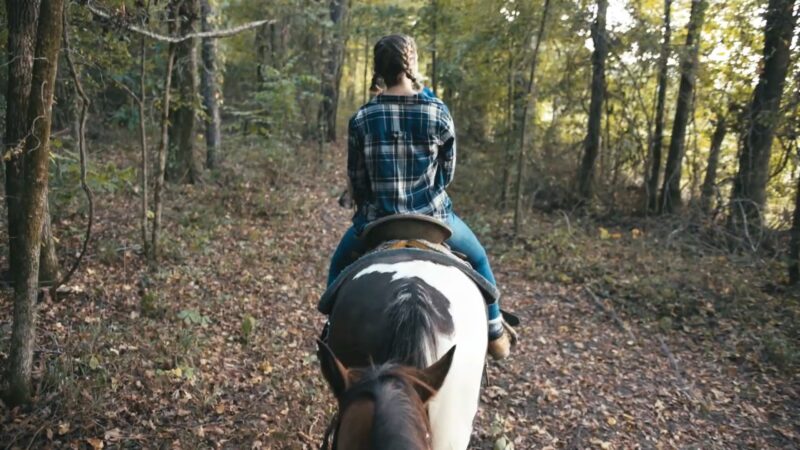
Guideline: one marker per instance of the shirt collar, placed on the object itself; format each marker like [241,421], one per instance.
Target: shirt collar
[403,99]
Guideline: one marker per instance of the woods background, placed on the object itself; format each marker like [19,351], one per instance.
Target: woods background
[171,203]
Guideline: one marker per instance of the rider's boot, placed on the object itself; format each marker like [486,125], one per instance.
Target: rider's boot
[501,336]
[500,345]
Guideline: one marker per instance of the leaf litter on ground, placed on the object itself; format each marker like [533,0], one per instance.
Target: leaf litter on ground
[215,349]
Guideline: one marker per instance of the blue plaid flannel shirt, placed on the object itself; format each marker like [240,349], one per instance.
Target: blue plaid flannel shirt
[401,155]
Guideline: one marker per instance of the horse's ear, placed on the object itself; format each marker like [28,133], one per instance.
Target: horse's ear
[335,372]
[434,375]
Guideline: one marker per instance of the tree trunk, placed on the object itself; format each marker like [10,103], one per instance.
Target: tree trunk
[750,183]
[434,25]
[671,189]
[332,77]
[183,168]
[794,245]
[366,81]
[592,143]
[145,167]
[210,90]
[526,139]
[22,20]
[508,162]
[658,137]
[33,189]
[263,41]
[49,270]
[605,158]
[710,181]
[158,189]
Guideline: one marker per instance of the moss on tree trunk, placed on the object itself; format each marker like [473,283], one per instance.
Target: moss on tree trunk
[33,190]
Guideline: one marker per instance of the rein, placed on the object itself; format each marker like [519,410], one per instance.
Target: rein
[329,438]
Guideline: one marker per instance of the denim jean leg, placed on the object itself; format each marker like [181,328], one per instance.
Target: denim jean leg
[346,253]
[464,241]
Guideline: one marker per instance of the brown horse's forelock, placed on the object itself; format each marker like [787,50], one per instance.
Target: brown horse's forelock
[400,418]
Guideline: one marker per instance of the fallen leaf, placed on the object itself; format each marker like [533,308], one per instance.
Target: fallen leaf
[113,435]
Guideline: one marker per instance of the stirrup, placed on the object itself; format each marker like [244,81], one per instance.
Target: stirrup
[500,347]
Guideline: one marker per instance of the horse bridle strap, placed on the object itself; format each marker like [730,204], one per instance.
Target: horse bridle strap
[329,439]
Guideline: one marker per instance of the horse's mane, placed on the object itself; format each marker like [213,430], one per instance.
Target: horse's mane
[416,312]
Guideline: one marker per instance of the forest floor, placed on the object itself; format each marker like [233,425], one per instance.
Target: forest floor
[625,344]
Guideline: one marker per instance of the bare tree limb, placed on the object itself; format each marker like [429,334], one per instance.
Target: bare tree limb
[125,88]
[214,34]
[85,103]
[683,384]
[610,312]
[161,158]
[526,139]
[143,143]
[671,358]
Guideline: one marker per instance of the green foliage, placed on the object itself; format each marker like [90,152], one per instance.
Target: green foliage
[248,327]
[483,46]
[151,305]
[127,116]
[193,317]
[108,251]
[781,352]
[272,81]
[277,89]
[281,100]
[65,170]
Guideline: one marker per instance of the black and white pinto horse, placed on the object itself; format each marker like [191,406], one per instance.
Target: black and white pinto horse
[411,307]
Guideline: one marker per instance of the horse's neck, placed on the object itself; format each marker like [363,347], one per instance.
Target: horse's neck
[356,424]
[453,409]
[399,423]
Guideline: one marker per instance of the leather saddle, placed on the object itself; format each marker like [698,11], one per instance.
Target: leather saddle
[405,227]
[407,237]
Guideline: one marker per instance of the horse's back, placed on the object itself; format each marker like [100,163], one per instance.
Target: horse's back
[362,327]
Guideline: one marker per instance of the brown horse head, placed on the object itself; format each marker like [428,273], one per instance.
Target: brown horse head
[382,407]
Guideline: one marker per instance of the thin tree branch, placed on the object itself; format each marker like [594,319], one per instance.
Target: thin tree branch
[636,85]
[125,88]
[85,102]
[784,160]
[162,157]
[610,312]
[214,34]
[530,105]
[143,142]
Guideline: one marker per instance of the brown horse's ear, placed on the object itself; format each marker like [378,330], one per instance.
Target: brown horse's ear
[434,376]
[334,372]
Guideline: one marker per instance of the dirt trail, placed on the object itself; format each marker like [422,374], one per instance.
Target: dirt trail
[585,377]
[181,373]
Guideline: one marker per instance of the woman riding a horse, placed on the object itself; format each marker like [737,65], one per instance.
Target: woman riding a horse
[408,333]
[401,156]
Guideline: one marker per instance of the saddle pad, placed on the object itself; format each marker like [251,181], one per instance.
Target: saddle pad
[489,291]
[421,244]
